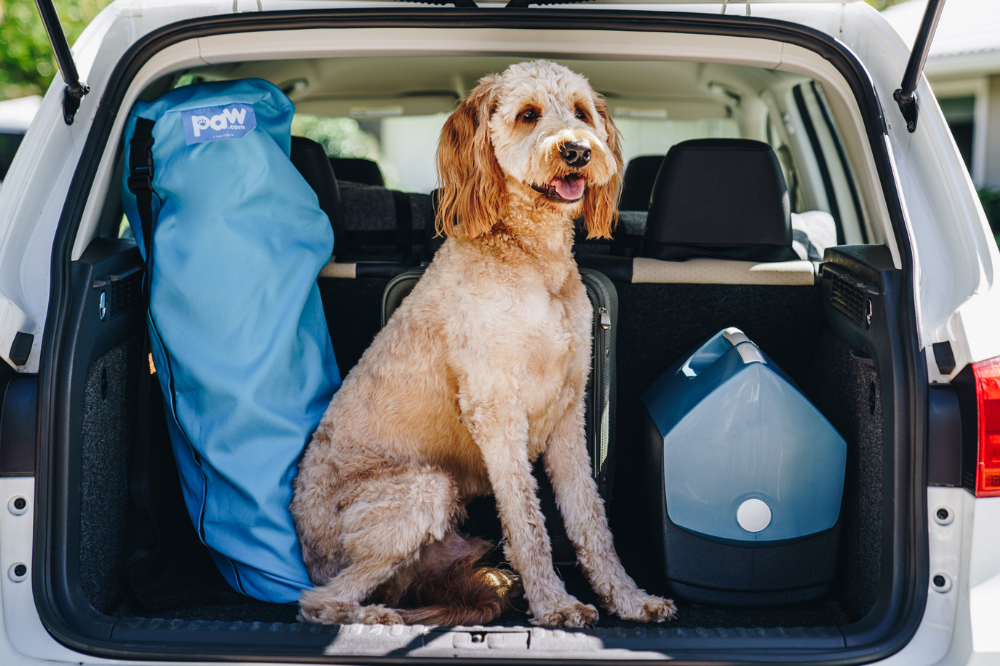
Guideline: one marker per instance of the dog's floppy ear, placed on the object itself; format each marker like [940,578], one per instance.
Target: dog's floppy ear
[473,192]
[600,207]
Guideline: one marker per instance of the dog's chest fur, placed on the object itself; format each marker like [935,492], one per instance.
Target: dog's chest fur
[557,349]
[535,311]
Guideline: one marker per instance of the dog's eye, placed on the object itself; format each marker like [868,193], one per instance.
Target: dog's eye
[581,114]
[529,115]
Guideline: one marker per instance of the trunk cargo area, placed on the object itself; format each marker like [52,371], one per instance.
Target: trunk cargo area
[849,371]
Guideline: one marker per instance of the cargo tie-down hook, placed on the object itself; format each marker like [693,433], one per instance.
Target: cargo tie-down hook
[725,4]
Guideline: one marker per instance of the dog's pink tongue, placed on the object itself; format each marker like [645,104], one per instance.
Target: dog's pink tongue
[570,187]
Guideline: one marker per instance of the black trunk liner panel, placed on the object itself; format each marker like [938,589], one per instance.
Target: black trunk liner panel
[658,323]
[849,394]
[108,432]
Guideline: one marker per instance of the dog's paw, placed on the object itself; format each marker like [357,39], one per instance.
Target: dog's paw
[341,613]
[568,613]
[643,607]
[319,611]
[376,614]
[314,609]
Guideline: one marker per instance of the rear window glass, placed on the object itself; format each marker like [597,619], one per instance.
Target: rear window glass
[404,147]
[379,118]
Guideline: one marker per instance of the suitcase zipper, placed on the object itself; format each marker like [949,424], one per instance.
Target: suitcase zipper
[605,387]
[603,344]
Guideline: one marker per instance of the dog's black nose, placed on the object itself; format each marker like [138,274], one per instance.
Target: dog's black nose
[574,154]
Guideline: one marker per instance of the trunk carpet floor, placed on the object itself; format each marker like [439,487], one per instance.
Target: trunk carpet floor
[824,613]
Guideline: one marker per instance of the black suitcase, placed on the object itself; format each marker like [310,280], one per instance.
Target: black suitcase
[600,398]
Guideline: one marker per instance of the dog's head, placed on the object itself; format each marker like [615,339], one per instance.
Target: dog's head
[539,132]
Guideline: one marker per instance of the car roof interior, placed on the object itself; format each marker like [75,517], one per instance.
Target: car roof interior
[423,85]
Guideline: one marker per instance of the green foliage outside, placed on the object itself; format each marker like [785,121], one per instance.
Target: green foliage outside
[991,204]
[342,137]
[26,61]
[882,4]
[339,136]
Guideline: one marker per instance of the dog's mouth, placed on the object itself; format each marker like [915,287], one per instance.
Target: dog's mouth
[568,189]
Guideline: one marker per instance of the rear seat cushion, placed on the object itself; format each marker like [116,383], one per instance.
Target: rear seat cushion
[384,223]
[812,232]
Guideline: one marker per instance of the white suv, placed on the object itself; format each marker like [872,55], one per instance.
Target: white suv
[890,321]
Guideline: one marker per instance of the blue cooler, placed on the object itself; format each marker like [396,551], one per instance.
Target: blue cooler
[749,477]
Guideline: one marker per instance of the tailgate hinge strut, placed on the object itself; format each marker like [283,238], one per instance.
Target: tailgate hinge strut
[75,89]
[905,96]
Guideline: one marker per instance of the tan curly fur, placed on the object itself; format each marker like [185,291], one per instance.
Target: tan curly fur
[480,371]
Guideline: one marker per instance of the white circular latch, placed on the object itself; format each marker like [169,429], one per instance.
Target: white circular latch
[18,572]
[753,515]
[943,515]
[941,582]
[18,505]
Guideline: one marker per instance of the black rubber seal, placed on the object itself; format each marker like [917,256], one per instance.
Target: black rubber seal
[824,170]
[844,165]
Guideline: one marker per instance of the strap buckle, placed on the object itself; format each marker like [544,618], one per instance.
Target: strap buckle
[139,183]
[140,178]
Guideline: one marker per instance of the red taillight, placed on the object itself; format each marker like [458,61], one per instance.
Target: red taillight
[987,375]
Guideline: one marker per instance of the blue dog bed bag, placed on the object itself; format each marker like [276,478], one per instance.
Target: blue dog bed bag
[236,240]
[749,475]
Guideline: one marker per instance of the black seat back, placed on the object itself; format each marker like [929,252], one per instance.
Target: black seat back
[637,186]
[310,159]
[723,198]
[357,170]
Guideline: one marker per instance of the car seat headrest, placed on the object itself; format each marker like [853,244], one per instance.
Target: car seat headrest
[357,170]
[637,186]
[722,198]
[310,159]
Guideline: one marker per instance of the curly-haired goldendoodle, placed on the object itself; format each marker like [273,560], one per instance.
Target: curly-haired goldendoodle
[480,371]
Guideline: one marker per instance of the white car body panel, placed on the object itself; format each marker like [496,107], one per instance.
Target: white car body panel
[958,299]
[23,634]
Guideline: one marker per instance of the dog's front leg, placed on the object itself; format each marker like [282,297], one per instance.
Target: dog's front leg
[502,436]
[568,467]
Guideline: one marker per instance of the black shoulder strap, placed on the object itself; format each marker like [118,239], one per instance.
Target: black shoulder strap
[140,183]
[140,179]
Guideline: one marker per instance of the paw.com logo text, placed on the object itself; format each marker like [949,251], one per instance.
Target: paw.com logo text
[214,123]
[229,119]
